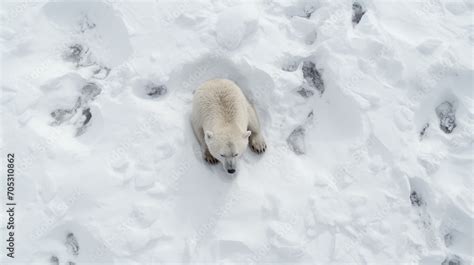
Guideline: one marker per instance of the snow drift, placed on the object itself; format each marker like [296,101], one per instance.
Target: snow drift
[367,108]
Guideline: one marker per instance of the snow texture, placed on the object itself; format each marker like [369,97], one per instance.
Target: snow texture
[366,107]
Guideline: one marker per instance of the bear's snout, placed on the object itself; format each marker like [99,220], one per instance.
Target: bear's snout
[230,165]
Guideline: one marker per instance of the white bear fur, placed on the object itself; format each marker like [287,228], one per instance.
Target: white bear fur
[224,122]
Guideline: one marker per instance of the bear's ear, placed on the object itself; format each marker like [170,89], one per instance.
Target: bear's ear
[247,134]
[208,134]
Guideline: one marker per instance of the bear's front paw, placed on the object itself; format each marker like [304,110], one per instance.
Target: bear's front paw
[258,145]
[209,158]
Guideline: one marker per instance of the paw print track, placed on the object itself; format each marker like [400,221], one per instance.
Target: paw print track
[452,260]
[423,131]
[447,118]
[448,239]
[304,92]
[72,245]
[78,54]
[312,80]
[62,115]
[415,199]
[86,24]
[82,57]
[54,260]
[312,76]
[148,89]
[296,140]
[308,11]
[155,91]
[101,72]
[83,123]
[88,93]
[357,12]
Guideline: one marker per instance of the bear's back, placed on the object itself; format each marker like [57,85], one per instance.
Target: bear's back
[221,99]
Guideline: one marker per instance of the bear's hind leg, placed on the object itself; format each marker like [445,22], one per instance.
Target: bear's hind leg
[256,141]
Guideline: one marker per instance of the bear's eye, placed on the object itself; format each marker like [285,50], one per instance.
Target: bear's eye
[234,155]
[222,155]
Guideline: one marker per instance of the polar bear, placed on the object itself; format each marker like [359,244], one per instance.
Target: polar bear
[224,123]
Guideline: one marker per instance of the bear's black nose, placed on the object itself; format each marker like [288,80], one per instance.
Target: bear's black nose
[231,171]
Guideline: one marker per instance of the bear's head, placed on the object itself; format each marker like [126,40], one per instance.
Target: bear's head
[227,145]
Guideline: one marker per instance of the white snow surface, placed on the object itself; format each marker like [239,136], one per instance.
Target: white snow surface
[369,178]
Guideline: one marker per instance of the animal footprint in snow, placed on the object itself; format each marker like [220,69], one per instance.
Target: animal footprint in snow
[312,80]
[312,76]
[72,247]
[357,12]
[62,115]
[82,57]
[80,113]
[89,92]
[54,260]
[78,54]
[419,196]
[83,122]
[296,139]
[446,115]
[452,260]
[155,91]
[415,199]
[423,131]
[86,24]
[308,11]
[101,72]
[148,89]
[72,244]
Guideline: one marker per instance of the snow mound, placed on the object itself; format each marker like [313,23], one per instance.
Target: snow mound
[366,107]
[235,24]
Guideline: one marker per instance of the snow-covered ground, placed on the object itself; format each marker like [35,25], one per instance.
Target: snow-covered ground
[367,109]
